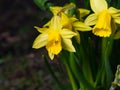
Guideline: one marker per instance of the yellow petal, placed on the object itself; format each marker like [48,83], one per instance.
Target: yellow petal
[103,25]
[55,23]
[65,21]
[81,26]
[98,5]
[67,34]
[41,30]
[40,41]
[117,35]
[67,45]
[114,11]
[83,12]
[55,10]
[115,14]
[91,19]
[47,24]
[73,19]
[51,55]
[117,20]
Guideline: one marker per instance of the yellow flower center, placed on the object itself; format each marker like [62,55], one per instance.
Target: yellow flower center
[103,25]
[54,42]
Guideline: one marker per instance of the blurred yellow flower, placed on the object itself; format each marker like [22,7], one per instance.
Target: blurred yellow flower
[102,18]
[54,37]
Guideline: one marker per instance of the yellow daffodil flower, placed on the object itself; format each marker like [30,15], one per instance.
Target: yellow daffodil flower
[102,18]
[71,23]
[54,37]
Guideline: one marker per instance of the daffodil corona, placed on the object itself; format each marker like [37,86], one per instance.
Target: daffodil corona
[54,42]
[103,25]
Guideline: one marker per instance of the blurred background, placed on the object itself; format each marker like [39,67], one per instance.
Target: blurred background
[21,67]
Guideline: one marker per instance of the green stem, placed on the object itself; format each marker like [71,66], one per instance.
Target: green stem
[86,67]
[52,72]
[70,74]
[84,84]
[104,75]
[106,50]
[74,86]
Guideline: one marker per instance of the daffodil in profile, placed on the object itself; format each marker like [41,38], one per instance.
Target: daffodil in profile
[54,38]
[102,18]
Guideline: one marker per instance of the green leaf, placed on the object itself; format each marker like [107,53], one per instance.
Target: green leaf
[106,51]
[79,75]
[69,71]
[115,3]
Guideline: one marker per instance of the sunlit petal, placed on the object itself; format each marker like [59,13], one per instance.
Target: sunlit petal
[40,41]
[55,10]
[73,19]
[117,20]
[47,24]
[65,21]
[67,34]
[115,13]
[41,30]
[91,19]
[98,5]
[67,45]
[55,22]
[83,12]
[51,55]
[81,26]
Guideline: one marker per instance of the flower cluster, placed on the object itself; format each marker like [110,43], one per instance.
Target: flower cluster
[57,34]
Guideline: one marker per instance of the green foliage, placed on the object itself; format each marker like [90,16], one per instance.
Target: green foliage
[115,3]
[43,4]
